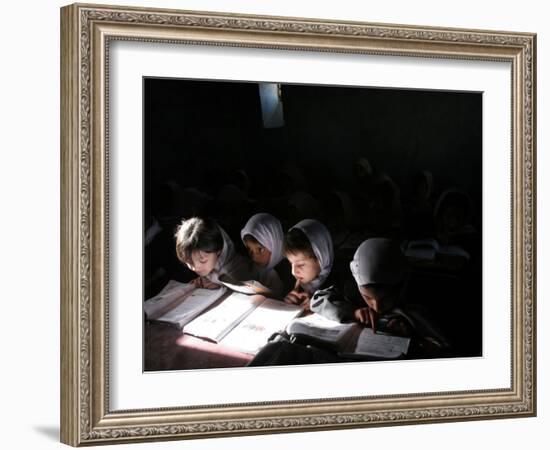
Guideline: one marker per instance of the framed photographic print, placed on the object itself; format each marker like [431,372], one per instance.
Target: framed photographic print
[277,224]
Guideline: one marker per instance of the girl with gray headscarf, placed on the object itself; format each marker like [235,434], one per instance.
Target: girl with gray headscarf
[263,238]
[380,271]
[308,248]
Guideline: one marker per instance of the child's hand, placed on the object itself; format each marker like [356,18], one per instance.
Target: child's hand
[296,297]
[367,316]
[197,282]
[399,327]
[305,305]
[204,283]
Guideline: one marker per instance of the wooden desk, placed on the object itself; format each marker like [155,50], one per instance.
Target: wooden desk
[167,348]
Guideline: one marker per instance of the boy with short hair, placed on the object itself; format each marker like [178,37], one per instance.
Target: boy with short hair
[205,248]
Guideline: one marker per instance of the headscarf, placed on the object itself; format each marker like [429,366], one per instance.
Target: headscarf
[454,195]
[364,165]
[230,262]
[321,243]
[378,261]
[268,231]
[428,177]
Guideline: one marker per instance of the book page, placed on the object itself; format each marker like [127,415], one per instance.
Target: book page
[250,287]
[321,328]
[192,305]
[254,331]
[166,299]
[381,345]
[422,249]
[454,250]
[421,253]
[217,322]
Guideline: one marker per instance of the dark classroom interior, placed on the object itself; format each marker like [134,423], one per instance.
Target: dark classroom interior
[365,161]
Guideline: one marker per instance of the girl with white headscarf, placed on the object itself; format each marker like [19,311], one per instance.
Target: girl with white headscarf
[263,238]
[380,271]
[309,249]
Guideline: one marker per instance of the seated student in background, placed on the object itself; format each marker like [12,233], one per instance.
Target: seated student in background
[418,212]
[453,215]
[308,248]
[384,205]
[205,248]
[263,238]
[380,272]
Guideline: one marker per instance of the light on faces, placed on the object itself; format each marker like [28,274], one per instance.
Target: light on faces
[258,253]
[378,298]
[304,268]
[202,263]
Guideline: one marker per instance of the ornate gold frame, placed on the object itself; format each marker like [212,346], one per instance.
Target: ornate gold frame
[86,31]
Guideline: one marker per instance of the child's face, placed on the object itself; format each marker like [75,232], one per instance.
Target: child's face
[202,263]
[453,218]
[258,253]
[380,298]
[304,268]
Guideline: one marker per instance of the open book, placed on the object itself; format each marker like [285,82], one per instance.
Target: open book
[377,345]
[250,287]
[243,322]
[179,303]
[351,340]
[430,250]
[317,328]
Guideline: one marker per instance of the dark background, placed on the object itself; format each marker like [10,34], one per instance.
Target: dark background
[197,132]
[201,137]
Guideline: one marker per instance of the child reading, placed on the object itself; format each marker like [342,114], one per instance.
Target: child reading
[263,238]
[308,248]
[379,269]
[205,248]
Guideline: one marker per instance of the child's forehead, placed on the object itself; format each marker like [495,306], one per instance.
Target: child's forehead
[252,242]
[201,253]
[375,289]
[297,256]
[251,239]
